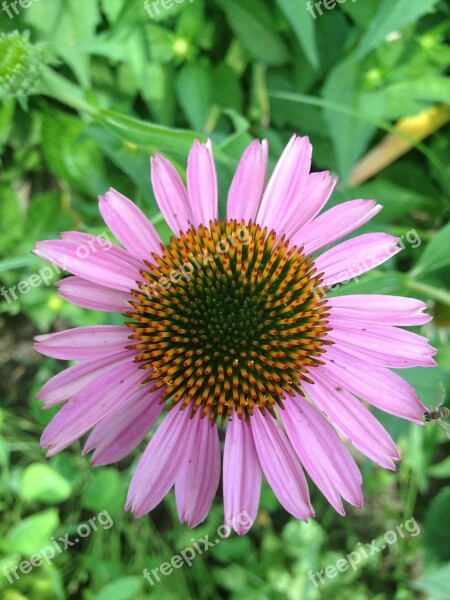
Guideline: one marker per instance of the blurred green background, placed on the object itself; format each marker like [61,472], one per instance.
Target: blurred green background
[90,89]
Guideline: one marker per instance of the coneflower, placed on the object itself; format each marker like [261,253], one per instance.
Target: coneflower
[229,326]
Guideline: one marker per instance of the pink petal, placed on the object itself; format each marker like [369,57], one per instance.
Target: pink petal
[322,453]
[90,244]
[334,224]
[89,406]
[318,189]
[376,385]
[124,427]
[82,292]
[248,183]
[241,476]
[171,195]
[386,310]
[382,345]
[129,224]
[281,466]
[197,482]
[356,256]
[353,421]
[286,185]
[162,461]
[202,183]
[103,269]
[83,342]
[69,382]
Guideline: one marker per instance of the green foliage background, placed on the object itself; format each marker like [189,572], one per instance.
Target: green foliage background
[88,94]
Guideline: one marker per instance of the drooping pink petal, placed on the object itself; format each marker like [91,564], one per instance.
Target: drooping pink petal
[120,431]
[318,189]
[286,185]
[82,292]
[89,245]
[197,482]
[171,195]
[89,406]
[162,461]
[65,385]
[248,183]
[353,421]
[323,454]
[202,183]
[335,224]
[281,466]
[83,342]
[241,476]
[374,384]
[383,345]
[356,256]
[385,310]
[129,224]
[101,268]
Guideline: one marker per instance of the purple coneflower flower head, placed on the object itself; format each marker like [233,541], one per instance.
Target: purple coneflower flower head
[229,328]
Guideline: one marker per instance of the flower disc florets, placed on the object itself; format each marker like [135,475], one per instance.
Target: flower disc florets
[227,317]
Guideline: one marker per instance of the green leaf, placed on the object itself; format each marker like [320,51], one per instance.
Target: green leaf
[303,26]
[125,588]
[193,87]
[71,155]
[436,255]
[350,136]
[437,525]
[392,15]
[441,470]
[105,491]
[252,23]
[436,585]
[41,482]
[33,533]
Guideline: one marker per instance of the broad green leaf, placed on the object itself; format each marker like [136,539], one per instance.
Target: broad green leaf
[71,155]
[41,482]
[33,533]
[303,26]
[441,470]
[361,13]
[437,525]
[194,84]
[436,255]
[105,491]
[125,588]
[153,137]
[392,15]
[252,23]
[408,98]
[436,585]
[350,136]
